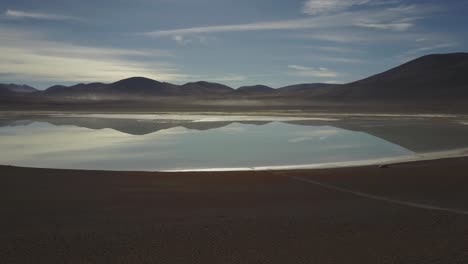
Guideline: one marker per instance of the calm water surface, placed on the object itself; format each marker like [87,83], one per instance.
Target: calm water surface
[90,142]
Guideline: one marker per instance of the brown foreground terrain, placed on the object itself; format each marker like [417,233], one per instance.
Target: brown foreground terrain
[407,213]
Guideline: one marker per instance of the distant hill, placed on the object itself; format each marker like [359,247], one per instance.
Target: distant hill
[255,89]
[74,90]
[205,88]
[7,88]
[309,89]
[429,77]
[141,86]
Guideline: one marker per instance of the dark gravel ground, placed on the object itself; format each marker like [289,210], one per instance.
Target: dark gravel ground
[65,216]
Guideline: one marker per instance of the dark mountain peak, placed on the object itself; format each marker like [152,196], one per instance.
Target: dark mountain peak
[135,81]
[203,83]
[255,89]
[142,86]
[87,85]
[447,56]
[422,66]
[56,88]
[433,62]
[201,87]
[431,77]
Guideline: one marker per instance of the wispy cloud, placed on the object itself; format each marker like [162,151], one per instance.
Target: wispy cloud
[258,26]
[328,53]
[181,40]
[317,7]
[395,26]
[35,15]
[433,47]
[336,49]
[314,7]
[335,59]
[336,36]
[29,56]
[361,36]
[229,78]
[303,71]
[422,50]
[381,15]
[184,40]
[396,18]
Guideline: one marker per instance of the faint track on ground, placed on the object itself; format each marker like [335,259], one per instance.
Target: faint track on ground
[381,198]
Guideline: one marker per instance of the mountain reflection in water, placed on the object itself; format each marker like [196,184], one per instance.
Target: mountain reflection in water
[135,144]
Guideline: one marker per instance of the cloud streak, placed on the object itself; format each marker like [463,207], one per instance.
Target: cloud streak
[258,26]
[428,48]
[303,71]
[393,18]
[394,26]
[28,56]
[433,47]
[315,7]
[38,16]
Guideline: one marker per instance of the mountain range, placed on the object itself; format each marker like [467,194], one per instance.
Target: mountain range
[438,76]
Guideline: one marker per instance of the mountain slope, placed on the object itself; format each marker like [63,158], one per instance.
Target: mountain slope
[429,77]
[204,88]
[255,89]
[17,88]
[141,86]
[308,89]
[74,90]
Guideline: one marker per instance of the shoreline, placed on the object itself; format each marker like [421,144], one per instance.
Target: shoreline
[418,157]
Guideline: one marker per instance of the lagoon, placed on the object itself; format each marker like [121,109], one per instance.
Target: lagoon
[188,142]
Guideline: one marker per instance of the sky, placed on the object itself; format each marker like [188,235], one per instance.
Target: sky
[241,42]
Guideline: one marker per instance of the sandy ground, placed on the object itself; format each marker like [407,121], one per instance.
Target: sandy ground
[407,213]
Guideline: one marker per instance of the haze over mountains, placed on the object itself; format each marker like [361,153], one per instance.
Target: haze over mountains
[432,77]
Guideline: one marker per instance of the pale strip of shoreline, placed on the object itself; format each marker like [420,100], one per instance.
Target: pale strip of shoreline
[429,156]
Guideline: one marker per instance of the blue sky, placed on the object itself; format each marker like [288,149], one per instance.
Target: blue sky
[242,42]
